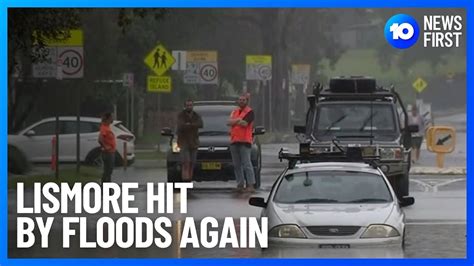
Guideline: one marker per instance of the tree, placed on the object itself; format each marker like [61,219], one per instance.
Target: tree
[22,44]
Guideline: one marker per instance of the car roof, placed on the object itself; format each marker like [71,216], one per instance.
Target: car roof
[74,118]
[214,108]
[333,166]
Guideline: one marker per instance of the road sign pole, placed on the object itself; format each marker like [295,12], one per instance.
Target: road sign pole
[132,104]
[270,99]
[57,134]
[78,131]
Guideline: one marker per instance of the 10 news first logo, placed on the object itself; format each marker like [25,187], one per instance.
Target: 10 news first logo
[402,31]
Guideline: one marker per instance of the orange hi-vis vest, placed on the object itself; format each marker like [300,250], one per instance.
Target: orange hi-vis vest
[240,133]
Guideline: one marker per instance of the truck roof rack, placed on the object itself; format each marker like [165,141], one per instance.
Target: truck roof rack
[350,155]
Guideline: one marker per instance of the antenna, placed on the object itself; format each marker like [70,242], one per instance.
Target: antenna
[371,118]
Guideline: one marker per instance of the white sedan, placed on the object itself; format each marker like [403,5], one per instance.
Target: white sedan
[334,205]
[35,142]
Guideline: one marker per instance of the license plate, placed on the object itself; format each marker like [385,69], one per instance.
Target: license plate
[211,166]
[336,246]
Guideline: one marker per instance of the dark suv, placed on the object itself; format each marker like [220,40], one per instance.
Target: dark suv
[353,111]
[214,161]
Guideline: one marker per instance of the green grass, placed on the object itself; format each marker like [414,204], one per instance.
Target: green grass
[66,175]
[149,139]
[151,155]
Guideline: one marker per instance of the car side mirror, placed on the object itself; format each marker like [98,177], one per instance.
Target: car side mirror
[299,129]
[166,131]
[413,128]
[258,202]
[407,201]
[30,133]
[259,130]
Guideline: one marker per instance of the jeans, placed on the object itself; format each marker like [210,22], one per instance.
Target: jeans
[242,164]
[108,159]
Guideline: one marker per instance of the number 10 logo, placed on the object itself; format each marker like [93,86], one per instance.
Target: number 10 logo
[401,31]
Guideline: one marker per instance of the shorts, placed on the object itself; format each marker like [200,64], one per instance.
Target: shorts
[416,142]
[188,155]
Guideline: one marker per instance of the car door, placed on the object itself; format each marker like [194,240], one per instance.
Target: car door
[89,132]
[38,146]
[67,141]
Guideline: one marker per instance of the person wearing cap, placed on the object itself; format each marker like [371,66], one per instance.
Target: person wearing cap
[241,138]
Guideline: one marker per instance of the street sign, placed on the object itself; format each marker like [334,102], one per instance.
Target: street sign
[127,80]
[201,67]
[74,39]
[258,67]
[180,63]
[419,85]
[159,84]
[300,73]
[72,59]
[67,50]
[48,67]
[159,60]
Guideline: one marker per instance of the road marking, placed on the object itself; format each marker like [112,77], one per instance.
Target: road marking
[433,184]
[435,187]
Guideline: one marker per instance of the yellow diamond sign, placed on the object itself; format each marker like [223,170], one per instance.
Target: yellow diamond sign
[419,85]
[159,60]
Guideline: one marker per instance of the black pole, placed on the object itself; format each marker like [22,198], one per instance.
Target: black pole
[78,131]
[57,134]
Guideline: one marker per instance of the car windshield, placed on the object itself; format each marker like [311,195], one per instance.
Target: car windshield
[355,119]
[214,122]
[332,187]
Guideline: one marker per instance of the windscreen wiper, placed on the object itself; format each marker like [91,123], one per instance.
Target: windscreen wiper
[367,120]
[368,200]
[213,133]
[333,124]
[317,200]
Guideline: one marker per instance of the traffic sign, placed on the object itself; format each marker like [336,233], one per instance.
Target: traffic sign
[258,67]
[159,84]
[64,57]
[300,73]
[180,63]
[159,60]
[127,80]
[419,85]
[72,61]
[201,67]
[73,39]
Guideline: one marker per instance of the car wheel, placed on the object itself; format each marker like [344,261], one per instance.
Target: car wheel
[17,162]
[94,158]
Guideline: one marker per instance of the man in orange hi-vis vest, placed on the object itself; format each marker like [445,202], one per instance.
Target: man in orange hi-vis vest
[241,138]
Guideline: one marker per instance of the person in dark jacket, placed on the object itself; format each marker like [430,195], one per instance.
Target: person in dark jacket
[189,123]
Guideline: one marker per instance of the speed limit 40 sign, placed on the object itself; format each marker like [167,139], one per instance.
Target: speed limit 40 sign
[72,61]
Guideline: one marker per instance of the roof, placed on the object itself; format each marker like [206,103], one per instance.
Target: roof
[74,118]
[334,166]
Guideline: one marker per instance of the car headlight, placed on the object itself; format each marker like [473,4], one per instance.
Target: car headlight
[174,147]
[391,154]
[380,231]
[286,231]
